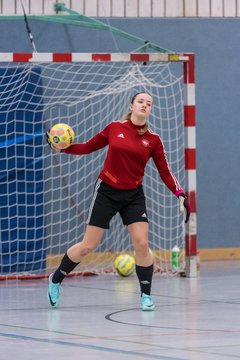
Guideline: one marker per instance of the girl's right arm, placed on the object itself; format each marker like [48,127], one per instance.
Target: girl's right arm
[97,142]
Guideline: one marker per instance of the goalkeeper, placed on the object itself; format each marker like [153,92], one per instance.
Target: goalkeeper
[119,190]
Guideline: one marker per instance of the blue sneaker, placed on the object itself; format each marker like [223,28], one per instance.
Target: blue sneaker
[147,303]
[53,292]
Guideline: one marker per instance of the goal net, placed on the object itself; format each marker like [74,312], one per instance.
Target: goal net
[45,196]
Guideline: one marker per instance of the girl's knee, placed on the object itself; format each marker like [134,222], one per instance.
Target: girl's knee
[141,246]
[86,248]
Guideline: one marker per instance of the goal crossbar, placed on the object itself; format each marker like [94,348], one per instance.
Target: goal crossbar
[90,57]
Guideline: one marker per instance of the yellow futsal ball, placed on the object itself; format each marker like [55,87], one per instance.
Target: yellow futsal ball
[124,264]
[61,136]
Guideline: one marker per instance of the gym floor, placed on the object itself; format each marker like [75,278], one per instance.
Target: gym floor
[194,319]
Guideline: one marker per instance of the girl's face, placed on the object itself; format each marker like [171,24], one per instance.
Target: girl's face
[141,106]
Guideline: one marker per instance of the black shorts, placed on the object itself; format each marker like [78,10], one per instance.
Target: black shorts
[108,201]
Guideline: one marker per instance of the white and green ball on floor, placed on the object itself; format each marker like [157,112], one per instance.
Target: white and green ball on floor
[124,264]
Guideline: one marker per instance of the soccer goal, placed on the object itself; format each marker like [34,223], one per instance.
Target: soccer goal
[45,196]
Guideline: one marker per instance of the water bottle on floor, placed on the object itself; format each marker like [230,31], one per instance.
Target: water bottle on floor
[175,258]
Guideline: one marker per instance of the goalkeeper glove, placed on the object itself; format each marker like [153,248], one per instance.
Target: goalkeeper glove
[50,143]
[184,205]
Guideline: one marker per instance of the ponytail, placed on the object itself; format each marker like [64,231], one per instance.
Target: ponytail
[127,116]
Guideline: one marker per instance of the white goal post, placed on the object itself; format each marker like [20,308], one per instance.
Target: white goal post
[44,196]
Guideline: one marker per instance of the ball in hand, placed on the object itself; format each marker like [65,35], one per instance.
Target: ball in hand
[61,136]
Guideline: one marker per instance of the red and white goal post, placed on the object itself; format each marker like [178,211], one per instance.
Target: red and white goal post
[45,196]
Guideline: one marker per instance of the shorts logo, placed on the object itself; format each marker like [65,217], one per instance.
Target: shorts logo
[145,142]
[121,136]
[144,215]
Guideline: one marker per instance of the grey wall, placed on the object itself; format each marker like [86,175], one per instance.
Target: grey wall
[216,45]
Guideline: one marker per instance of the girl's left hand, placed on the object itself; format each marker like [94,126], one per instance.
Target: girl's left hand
[184,205]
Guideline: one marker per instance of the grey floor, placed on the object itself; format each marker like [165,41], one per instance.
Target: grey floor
[99,317]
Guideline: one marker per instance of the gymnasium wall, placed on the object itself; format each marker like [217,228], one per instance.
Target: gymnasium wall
[128,8]
[216,45]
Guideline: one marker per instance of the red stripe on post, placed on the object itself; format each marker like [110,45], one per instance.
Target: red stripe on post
[189,77]
[189,115]
[22,57]
[62,57]
[192,201]
[101,57]
[190,159]
[139,57]
[191,245]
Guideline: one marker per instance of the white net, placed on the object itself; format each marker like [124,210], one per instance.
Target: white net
[45,196]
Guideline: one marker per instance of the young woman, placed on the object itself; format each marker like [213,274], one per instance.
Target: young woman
[119,190]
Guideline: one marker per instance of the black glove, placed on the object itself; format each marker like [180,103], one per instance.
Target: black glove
[184,205]
[50,143]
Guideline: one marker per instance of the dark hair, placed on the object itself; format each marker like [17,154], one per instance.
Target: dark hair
[141,92]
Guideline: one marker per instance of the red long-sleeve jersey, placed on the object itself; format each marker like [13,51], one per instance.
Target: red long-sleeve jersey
[127,155]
